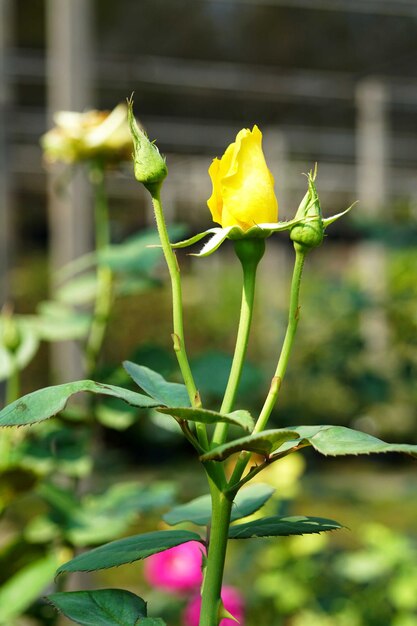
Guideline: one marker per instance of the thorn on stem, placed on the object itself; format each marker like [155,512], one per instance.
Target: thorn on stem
[176,342]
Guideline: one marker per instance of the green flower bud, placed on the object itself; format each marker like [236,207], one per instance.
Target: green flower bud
[10,336]
[150,166]
[308,234]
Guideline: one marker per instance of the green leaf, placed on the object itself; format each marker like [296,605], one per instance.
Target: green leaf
[211,373]
[139,253]
[155,385]
[238,418]
[282,526]
[133,285]
[79,290]
[250,500]
[96,518]
[54,447]
[198,511]
[339,441]
[128,550]
[151,621]
[264,443]
[103,517]
[44,403]
[100,607]
[115,414]
[18,593]
[58,322]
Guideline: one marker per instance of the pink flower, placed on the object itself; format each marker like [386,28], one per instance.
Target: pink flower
[232,601]
[177,569]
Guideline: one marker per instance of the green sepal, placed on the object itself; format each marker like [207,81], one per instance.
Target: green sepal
[259,231]
[282,527]
[204,416]
[45,403]
[100,607]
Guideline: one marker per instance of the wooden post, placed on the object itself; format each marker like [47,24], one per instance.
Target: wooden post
[274,269]
[372,183]
[69,33]
[5,181]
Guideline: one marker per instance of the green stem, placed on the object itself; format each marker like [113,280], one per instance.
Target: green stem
[7,435]
[104,275]
[250,253]
[212,585]
[178,324]
[13,383]
[293,318]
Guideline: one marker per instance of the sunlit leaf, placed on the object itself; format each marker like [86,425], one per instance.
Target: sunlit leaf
[44,403]
[18,593]
[79,290]
[237,418]
[339,441]
[211,372]
[96,518]
[198,511]
[139,253]
[168,394]
[55,447]
[115,413]
[58,322]
[264,443]
[100,607]
[282,526]
[128,550]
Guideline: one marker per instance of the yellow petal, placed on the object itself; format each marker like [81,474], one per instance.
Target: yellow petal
[243,187]
[215,202]
[111,131]
[248,190]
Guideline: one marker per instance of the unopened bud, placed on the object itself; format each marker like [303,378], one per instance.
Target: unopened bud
[10,334]
[149,164]
[308,233]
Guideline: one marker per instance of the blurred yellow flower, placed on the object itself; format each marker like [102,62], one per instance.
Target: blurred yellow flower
[89,135]
[243,187]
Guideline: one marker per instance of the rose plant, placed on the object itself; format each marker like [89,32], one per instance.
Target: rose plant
[243,202]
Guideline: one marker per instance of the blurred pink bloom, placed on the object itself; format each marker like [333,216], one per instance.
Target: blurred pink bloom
[176,569]
[232,601]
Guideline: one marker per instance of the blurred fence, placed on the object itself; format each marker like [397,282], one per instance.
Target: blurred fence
[371,156]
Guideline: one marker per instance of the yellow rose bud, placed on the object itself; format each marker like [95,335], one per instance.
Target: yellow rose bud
[89,135]
[243,187]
